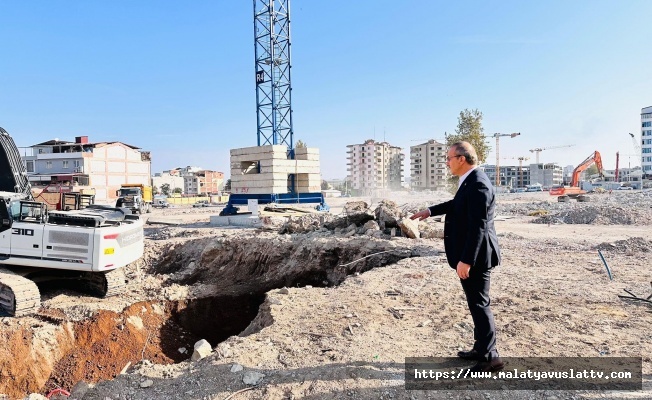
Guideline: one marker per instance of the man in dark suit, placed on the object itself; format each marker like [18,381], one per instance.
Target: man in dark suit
[472,248]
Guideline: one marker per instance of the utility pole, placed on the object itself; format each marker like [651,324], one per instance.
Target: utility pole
[497,136]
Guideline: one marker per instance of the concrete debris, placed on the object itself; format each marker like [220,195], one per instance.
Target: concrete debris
[597,215]
[409,227]
[431,230]
[236,368]
[202,349]
[146,383]
[354,212]
[604,209]
[371,225]
[304,223]
[252,378]
[388,214]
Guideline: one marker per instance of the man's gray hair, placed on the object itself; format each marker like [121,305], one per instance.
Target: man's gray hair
[466,149]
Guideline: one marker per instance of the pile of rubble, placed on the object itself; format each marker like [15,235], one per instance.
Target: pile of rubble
[596,215]
[634,244]
[603,209]
[357,218]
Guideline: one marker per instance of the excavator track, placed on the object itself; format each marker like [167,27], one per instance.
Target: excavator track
[19,296]
[106,284]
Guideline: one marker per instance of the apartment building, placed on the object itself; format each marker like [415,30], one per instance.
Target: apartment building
[172,178]
[103,166]
[374,165]
[646,141]
[203,182]
[547,175]
[511,176]
[428,169]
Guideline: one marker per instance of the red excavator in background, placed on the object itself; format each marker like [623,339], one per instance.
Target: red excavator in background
[574,190]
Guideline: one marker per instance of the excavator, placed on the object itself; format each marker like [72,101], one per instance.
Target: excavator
[87,246]
[565,193]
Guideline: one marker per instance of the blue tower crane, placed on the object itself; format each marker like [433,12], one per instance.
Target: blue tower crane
[273,83]
[274,97]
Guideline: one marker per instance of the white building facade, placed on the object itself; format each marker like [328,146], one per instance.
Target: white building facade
[374,165]
[103,166]
[646,141]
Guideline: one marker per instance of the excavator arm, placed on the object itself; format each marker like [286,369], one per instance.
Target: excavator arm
[593,158]
[13,175]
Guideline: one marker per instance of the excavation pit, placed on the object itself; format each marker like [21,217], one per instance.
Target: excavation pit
[39,355]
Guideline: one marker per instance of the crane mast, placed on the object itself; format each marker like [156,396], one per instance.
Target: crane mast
[273,81]
[498,136]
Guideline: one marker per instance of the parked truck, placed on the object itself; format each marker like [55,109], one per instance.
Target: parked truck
[136,197]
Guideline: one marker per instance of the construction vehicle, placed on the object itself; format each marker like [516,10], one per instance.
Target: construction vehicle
[88,246]
[160,202]
[136,197]
[565,193]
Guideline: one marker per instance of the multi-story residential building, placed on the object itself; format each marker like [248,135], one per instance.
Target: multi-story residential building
[203,182]
[374,165]
[428,169]
[646,141]
[104,166]
[172,178]
[547,175]
[511,176]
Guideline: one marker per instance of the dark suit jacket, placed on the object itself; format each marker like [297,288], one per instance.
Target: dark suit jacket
[469,231]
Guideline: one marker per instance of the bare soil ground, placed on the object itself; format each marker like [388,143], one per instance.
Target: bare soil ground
[354,307]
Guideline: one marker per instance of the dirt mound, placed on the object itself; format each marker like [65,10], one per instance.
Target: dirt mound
[265,261]
[591,215]
[634,244]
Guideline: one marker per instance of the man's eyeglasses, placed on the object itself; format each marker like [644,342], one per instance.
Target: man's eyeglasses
[450,158]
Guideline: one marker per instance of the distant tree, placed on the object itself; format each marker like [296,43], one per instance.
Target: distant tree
[325,185]
[165,189]
[469,129]
[177,190]
[155,190]
[300,144]
[592,170]
[227,185]
[345,187]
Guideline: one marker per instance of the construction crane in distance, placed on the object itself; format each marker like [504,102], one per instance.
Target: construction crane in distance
[637,147]
[498,136]
[540,149]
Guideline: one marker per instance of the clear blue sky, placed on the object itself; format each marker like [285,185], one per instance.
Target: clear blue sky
[177,78]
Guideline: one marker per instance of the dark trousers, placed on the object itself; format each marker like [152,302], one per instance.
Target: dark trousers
[476,288]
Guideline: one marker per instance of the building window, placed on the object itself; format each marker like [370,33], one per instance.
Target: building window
[65,164]
[48,164]
[76,163]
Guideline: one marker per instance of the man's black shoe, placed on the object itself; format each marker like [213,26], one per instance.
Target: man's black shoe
[488,366]
[470,355]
